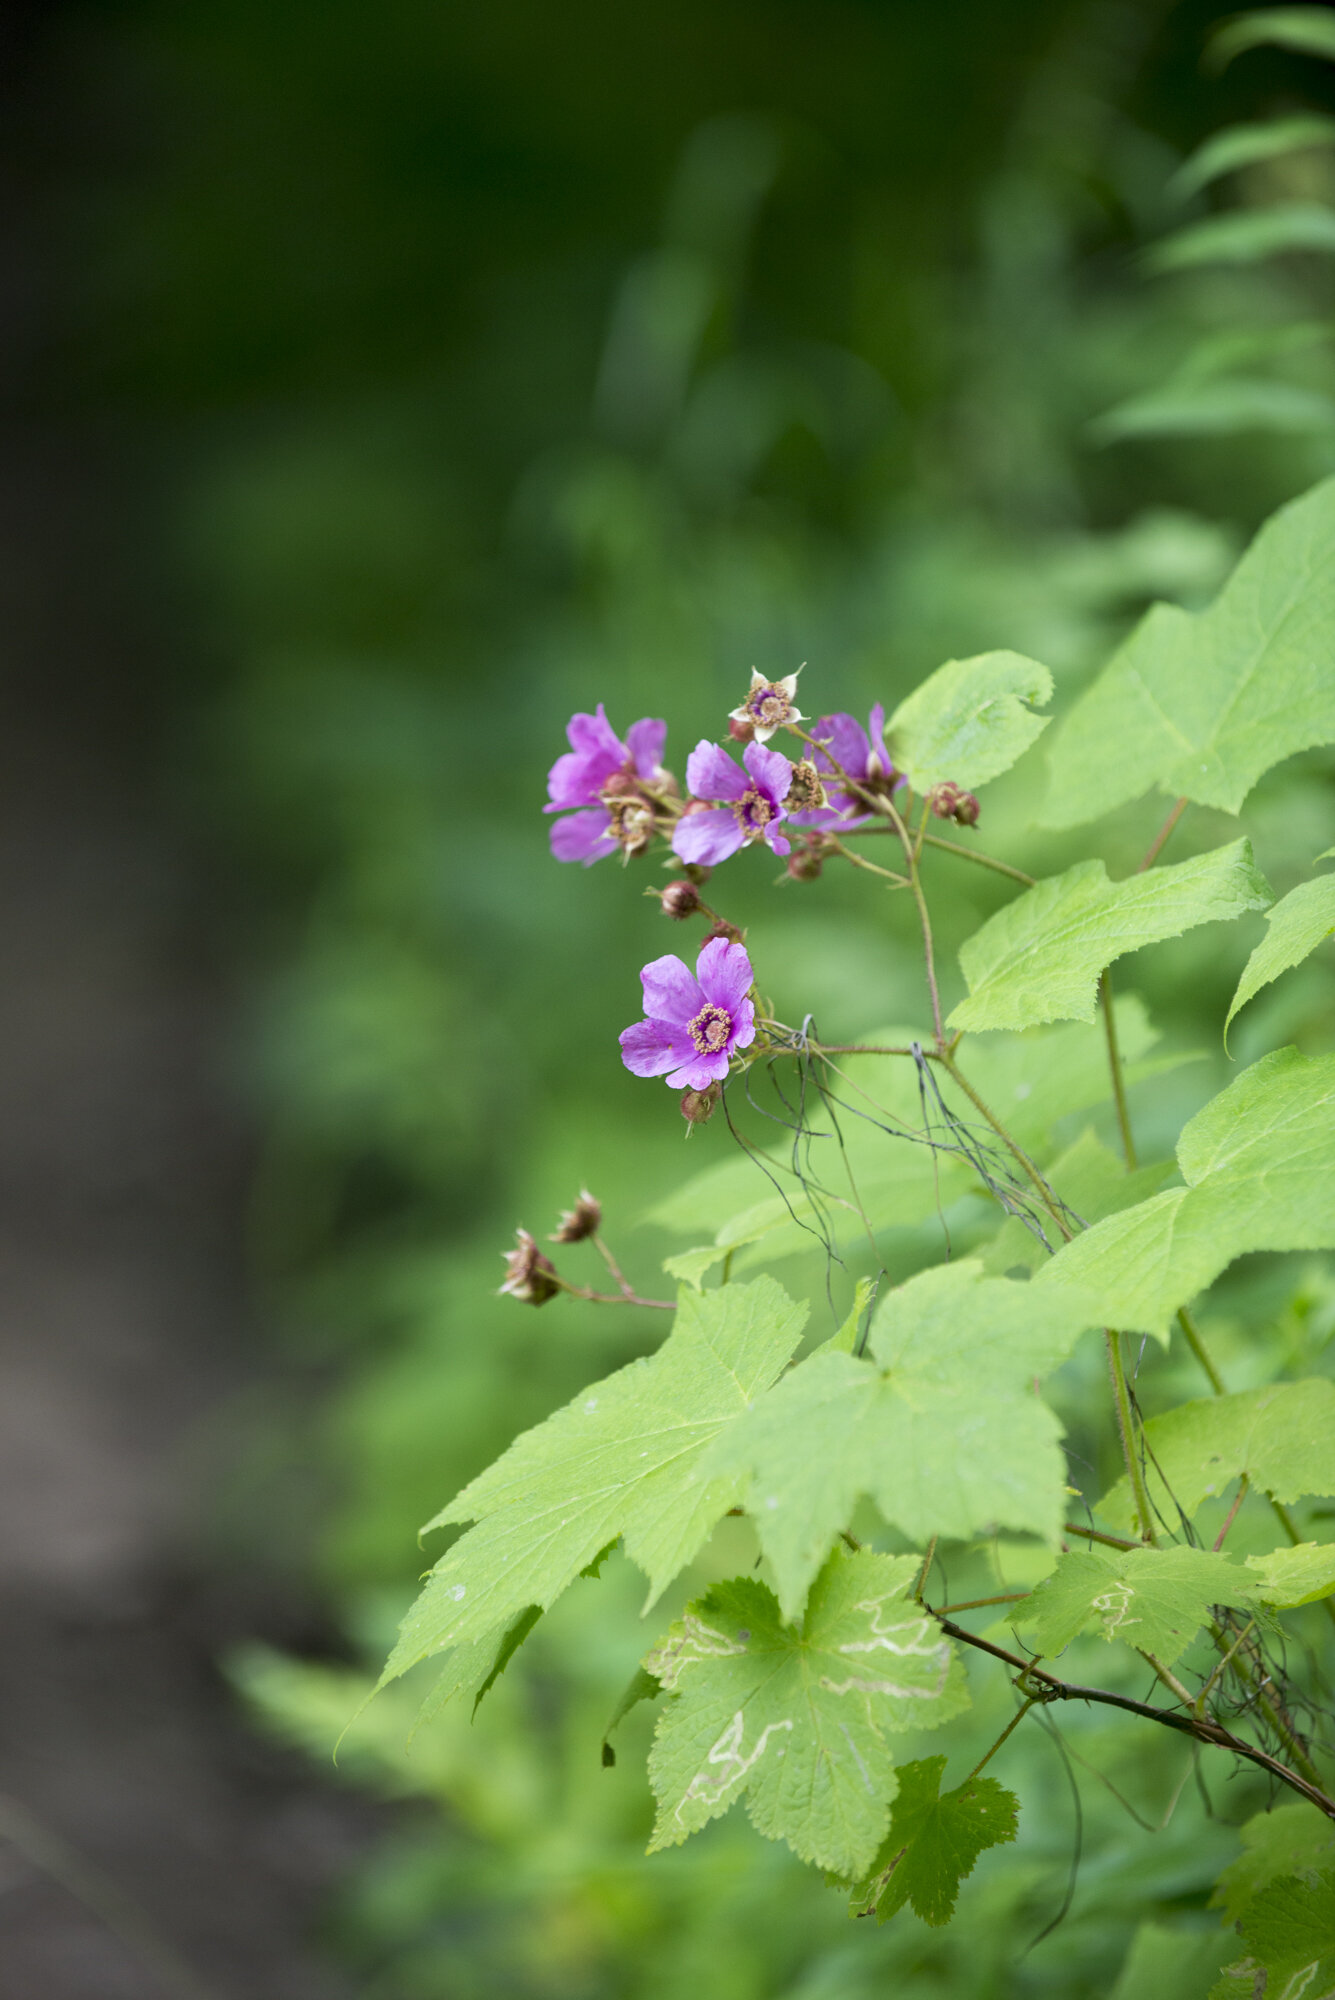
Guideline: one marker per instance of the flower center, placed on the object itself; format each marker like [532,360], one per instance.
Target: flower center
[710,1029]
[770,705]
[754,812]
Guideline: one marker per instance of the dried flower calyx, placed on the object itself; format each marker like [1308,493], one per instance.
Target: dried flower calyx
[584,1219]
[528,1274]
[769,705]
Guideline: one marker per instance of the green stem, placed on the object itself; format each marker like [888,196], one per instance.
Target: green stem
[1115,1065]
[1016,1150]
[1201,1352]
[1160,840]
[1127,1433]
[1014,1723]
[861,861]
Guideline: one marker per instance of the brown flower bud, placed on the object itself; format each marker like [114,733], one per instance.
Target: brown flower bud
[528,1274]
[584,1219]
[721,928]
[806,860]
[950,801]
[698,1106]
[680,899]
[806,793]
[741,729]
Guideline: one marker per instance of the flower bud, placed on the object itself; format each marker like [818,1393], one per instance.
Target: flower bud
[950,801]
[528,1274]
[806,793]
[806,861]
[741,729]
[721,928]
[584,1219]
[698,1106]
[680,899]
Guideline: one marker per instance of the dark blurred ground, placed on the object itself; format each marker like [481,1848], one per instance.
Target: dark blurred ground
[124,1771]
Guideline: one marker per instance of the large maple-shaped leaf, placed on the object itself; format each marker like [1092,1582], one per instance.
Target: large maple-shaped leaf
[797,1717]
[1296,925]
[1202,703]
[1040,957]
[1282,1437]
[935,1838]
[1259,1162]
[1153,1599]
[617,1461]
[939,1424]
[970,720]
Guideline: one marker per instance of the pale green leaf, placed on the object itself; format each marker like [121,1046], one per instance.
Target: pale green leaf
[939,1424]
[1259,1162]
[617,1461]
[690,1267]
[798,1718]
[1308,31]
[970,720]
[1092,1181]
[1153,1599]
[1289,1577]
[1290,1926]
[846,1339]
[1286,1840]
[1039,958]
[1240,146]
[1201,703]
[934,1841]
[1282,1437]
[1246,236]
[1220,407]
[1297,924]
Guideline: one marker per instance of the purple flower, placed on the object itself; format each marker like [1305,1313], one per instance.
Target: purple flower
[860,756]
[597,766]
[693,1024]
[753,809]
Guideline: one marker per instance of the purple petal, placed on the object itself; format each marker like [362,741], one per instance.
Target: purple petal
[849,747]
[825,816]
[649,1048]
[583,836]
[711,773]
[646,741]
[595,753]
[594,736]
[707,837]
[771,770]
[698,1070]
[724,972]
[743,1026]
[670,992]
[777,842]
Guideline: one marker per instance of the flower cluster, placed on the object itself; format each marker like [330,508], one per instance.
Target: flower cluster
[614,793]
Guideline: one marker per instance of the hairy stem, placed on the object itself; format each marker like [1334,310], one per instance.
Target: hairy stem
[974,854]
[1097,1535]
[1127,1432]
[624,1298]
[1160,840]
[1198,1727]
[860,861]
[1115,1065]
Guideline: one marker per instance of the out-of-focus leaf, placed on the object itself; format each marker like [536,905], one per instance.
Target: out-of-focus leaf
[1247,146]
[1219,407]
[1288,1577]
[1296,925]
[1287,1840]
[1308,31]
[1282,1437]
[1246,236]
[970,720]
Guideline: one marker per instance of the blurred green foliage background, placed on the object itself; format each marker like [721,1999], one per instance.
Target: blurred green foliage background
[486,361]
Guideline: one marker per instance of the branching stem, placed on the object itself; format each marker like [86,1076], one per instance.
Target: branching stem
[1127,1433]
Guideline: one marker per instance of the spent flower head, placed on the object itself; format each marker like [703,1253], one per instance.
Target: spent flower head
[728,808]
[768,706]
[607,787]
[528,1274]
[848,750]
[584,1219]
[693,1022]
[950,801]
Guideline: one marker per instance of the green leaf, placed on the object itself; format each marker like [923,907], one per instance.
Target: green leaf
[1308,31]
[1282,1437]
[970,720]
[617,1461]
[1298,923]
[1259,1162]
[877,1162]
[1039,958]
[939,1425]
[1201,703]
[640,1687]
[1286,1840]
[1246,236]
[1290,1926]
[844,1342]
[1246,146]
[797,1718]
[1153,1599]
[1220,407]
[690,1267]
[934,1842]
[1093,1182]
[1288,1577]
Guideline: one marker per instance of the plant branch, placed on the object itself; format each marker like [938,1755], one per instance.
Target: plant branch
[836,846]
[1014,1723]
[1160,840]
[975,854]
[1201,1352]
[1127,1433]
[1097,1535]
[1198,1727]
[1115,1065]
[622,1298]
